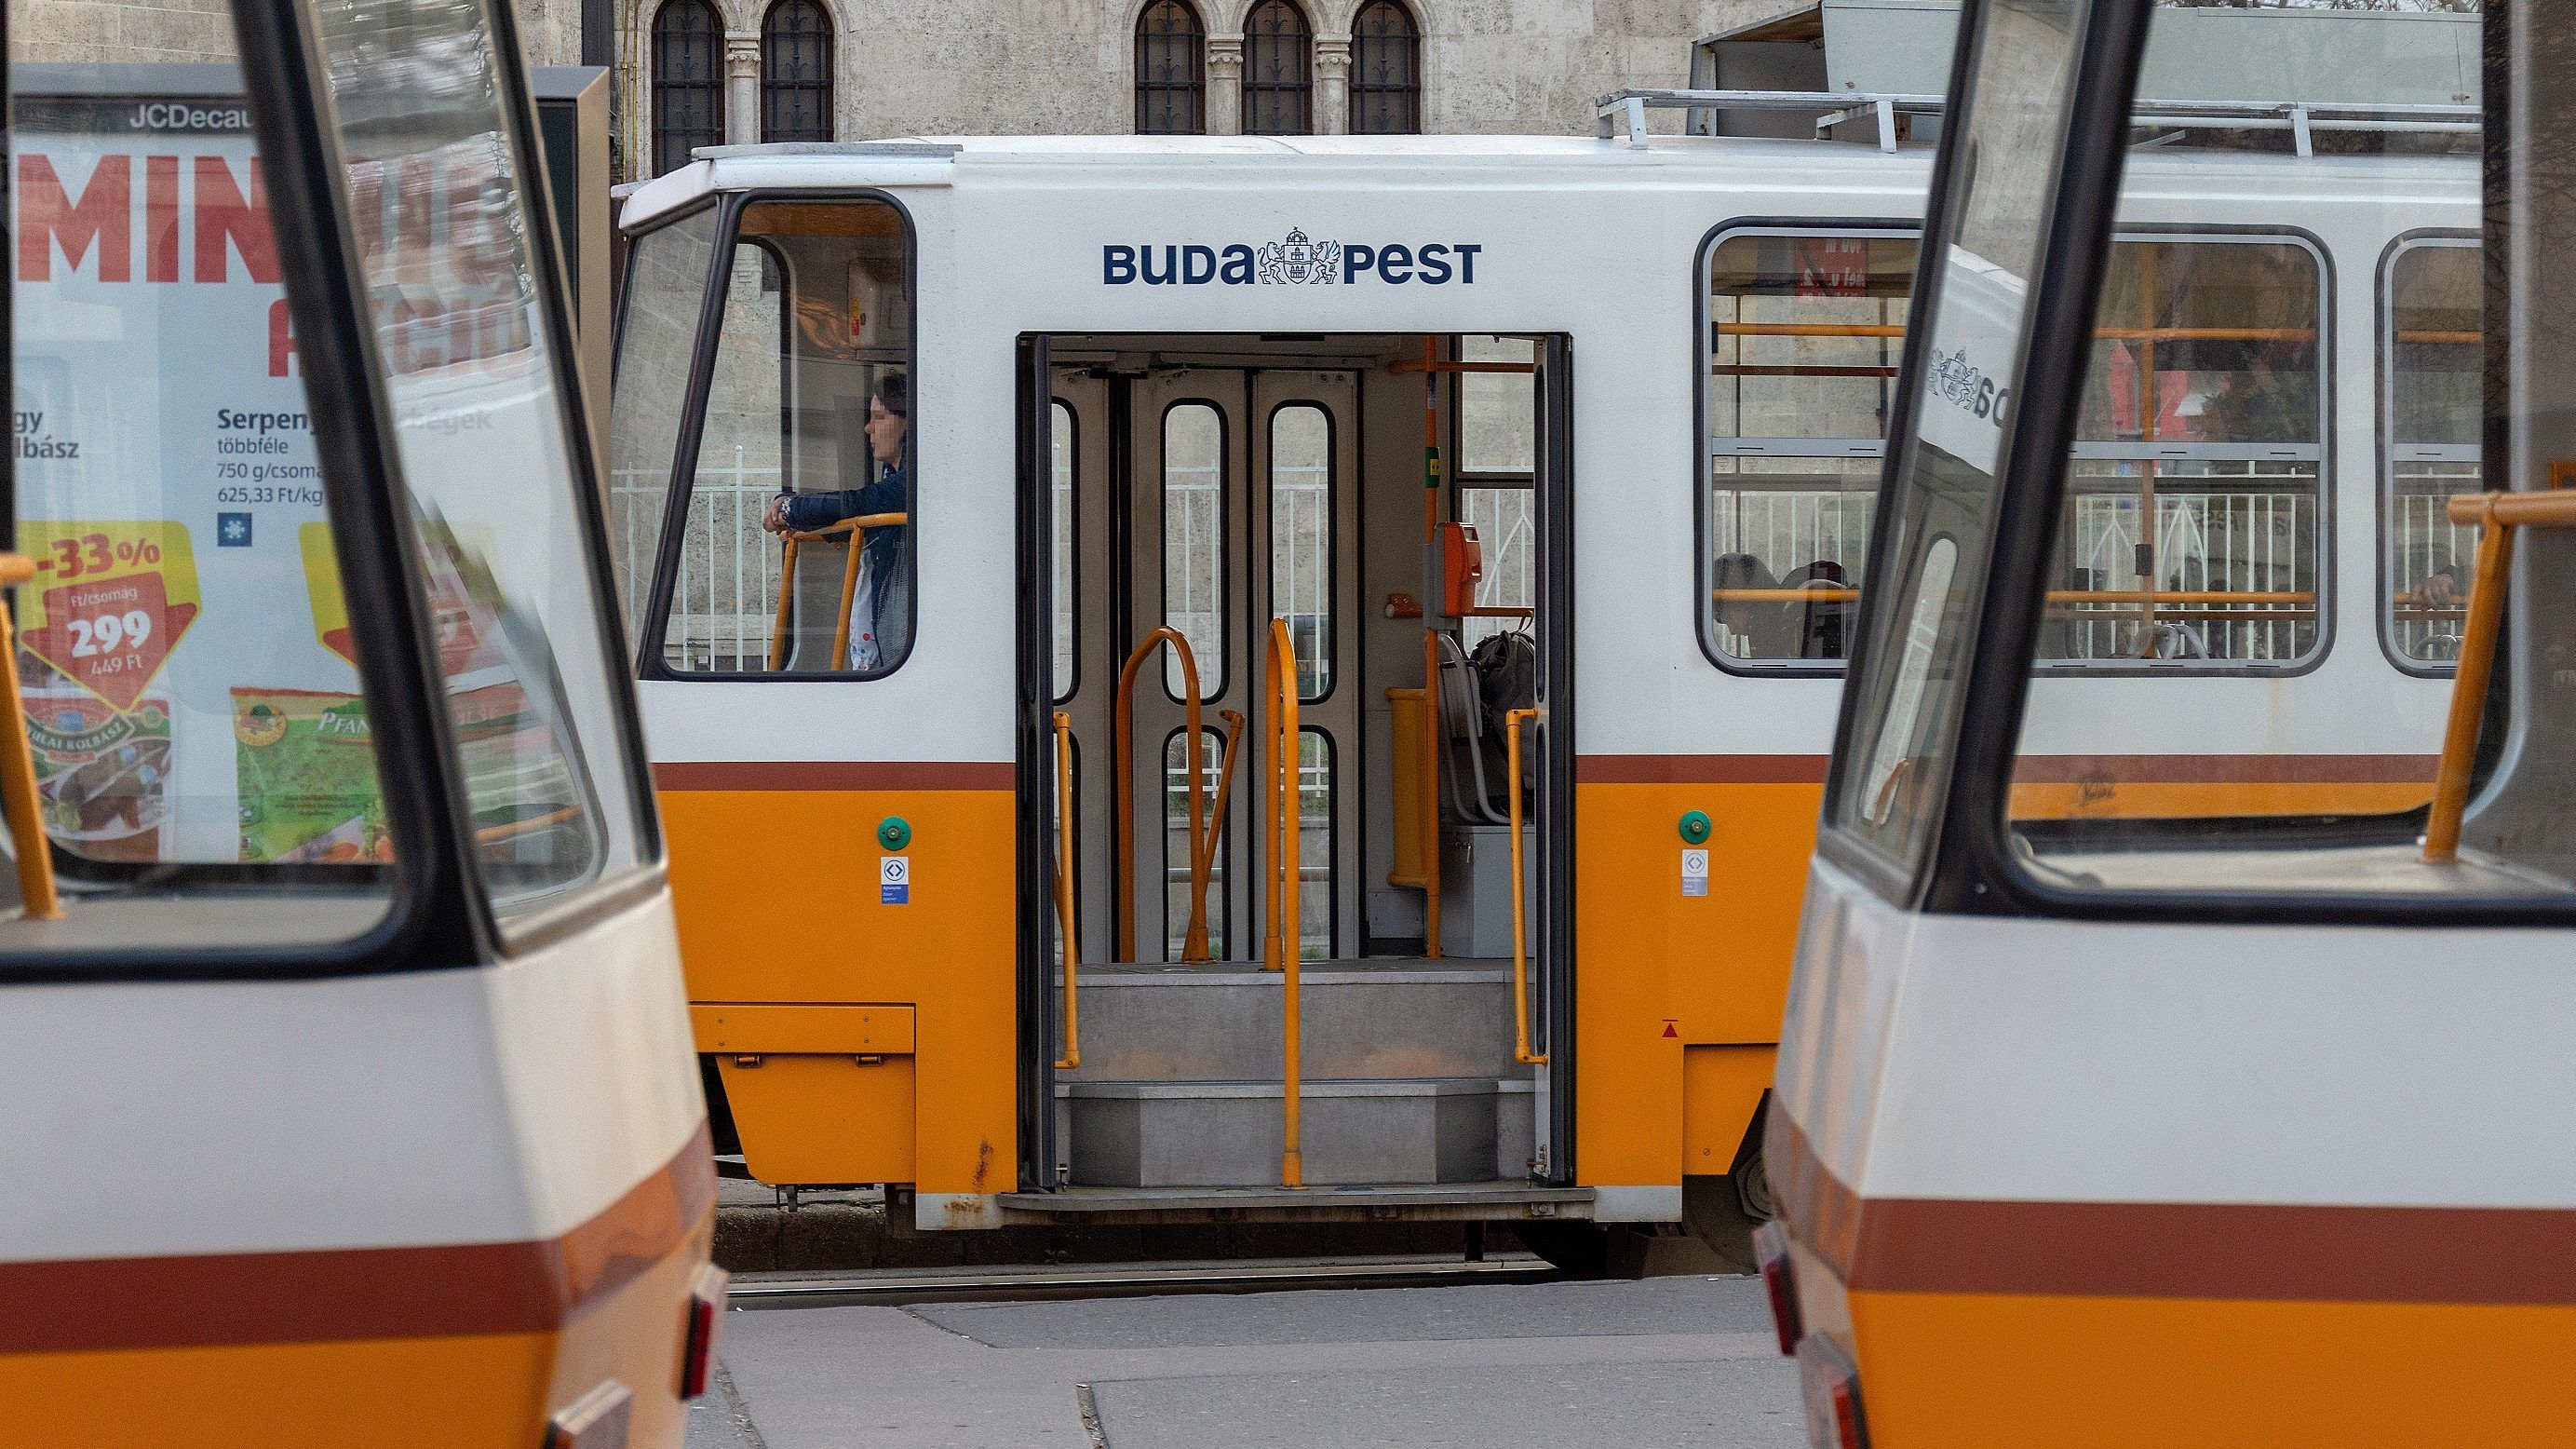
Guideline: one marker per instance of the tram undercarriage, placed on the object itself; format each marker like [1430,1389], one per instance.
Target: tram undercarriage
[1267,536]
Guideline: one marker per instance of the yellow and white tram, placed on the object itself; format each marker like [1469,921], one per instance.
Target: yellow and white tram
[345,1084]
[2232,1125]
[1159,392]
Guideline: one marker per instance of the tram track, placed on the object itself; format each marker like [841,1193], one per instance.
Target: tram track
[900,1287]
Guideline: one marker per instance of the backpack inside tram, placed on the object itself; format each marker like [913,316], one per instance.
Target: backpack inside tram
[1258,534]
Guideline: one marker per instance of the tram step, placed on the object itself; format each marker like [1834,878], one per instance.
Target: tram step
[1227,1134]
[1219,1022]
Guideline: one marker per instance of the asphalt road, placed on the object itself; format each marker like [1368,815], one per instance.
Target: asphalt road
[1656,1364]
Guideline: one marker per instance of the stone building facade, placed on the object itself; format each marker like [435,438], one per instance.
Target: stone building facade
[947,67]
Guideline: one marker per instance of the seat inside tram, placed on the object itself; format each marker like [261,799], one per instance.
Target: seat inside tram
[1202,488]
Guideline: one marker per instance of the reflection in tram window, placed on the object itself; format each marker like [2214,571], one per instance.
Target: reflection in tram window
[2431,350]
[1194,542]
[1061,558]
[1497,456]
[804,457]
[1176,841]
[1805,330]
[2193,528]
[1301,539]
[482,436]
[666,283]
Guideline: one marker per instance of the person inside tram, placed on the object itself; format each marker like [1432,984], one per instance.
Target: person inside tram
[1763,628]
[1823,624]
[881,608]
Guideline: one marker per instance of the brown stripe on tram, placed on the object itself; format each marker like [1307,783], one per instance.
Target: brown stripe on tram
[2225,769]
[206,1300]
[1820,1206]
[2240,1251]
[834,775]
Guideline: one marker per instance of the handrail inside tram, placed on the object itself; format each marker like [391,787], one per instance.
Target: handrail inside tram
[1072,1057]
[27,838]
[857,529]
[1203,831]
[1283,946]
[1513,719]
[2495,516]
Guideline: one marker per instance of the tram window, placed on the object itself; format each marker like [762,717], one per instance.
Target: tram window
[1316,883]
[2431,349]
[666,283]
[1194,542]
[1496,451]
[1805,329]
[2194,531]
[1904,703]
[1176,840]
[1301,539]
[463,344]
[1061,555]
[805,446]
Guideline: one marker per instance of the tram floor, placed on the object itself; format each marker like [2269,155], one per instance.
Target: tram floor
[1646,1364]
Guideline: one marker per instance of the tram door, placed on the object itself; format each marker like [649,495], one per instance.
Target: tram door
[1237,514]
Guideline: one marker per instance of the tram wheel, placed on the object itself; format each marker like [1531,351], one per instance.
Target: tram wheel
[1753,1189]
[1579,1250]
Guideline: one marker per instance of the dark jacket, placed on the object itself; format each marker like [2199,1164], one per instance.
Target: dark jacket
[883,554]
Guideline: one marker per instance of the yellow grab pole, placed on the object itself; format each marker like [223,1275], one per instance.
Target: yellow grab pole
[2469,684]
[849,595]
[1431,726]
[18,770]
[1281,949]
[1204,859]
[1194,943]
[1512,720]
[1064,888]
[857,529]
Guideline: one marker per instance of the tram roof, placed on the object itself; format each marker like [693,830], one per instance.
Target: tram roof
[1566,162]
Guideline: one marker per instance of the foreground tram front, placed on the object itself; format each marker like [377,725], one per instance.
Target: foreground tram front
[345,1085]
[2219,1128]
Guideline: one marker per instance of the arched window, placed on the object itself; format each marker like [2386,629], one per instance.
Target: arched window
[1171,78]
[796,72]
[1386,71]
[688,82]
[1278,74]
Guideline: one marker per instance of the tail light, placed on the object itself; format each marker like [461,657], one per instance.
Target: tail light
[1830,1383]
[1771,1252]
[706,1319]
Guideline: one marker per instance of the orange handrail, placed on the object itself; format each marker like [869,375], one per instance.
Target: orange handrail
[1512,720]
[2496,515]
[1282,947]
[1194,942]
[1064,888]
[2055,596]
[857,528]
[1204,858]
[25,809]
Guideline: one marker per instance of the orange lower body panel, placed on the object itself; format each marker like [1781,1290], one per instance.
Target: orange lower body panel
[1969,1371]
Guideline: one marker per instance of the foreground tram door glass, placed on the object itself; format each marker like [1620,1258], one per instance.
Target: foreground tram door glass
[2237,1113]
[345,1081]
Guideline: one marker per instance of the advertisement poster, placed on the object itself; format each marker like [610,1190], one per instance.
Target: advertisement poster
[183,699]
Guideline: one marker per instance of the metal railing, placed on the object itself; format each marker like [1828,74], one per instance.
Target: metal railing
[856,531]
[1194,940]
[1512,721]
[1072,1057]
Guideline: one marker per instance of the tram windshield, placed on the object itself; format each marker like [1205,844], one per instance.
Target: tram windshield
[2202,420]
[187,655]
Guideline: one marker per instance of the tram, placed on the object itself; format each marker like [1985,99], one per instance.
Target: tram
[1556,459]
[2232,1126]
[346,1092]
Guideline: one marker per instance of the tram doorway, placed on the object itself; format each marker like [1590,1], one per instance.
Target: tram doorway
[1246,518]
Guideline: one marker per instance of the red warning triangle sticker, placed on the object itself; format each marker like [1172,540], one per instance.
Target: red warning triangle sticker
[1668,1026]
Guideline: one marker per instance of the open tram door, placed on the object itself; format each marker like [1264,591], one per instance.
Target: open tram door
[2208,1125]
[340,975]
[1247,528]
